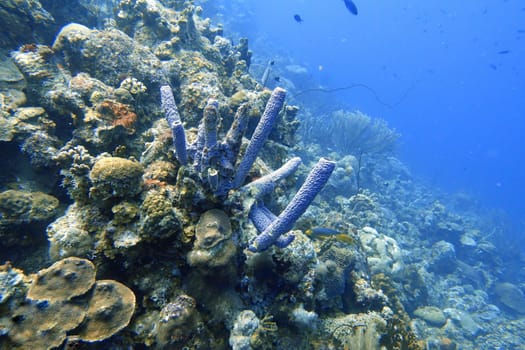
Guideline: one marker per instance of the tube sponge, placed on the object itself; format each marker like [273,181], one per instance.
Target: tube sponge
[267,183]
[263,129]
[315,181]
[173,118]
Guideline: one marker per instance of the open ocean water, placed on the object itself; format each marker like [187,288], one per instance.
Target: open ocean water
[448,76]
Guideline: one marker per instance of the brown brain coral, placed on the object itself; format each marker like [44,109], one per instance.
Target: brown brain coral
[63,280]
[110,309]
[213,246]
[115,177]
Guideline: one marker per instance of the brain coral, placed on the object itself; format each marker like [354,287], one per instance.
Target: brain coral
[115,177]
[212,246]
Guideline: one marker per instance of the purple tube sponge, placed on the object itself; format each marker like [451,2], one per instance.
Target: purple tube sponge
[267,183]
[262,217]
[173,118]
[315,181]
[210,125]
[263,129]
[237,129]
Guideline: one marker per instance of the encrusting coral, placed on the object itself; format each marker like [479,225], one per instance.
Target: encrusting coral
[63,280]
[65,300]
[23,214]
[43,324]
[110,308]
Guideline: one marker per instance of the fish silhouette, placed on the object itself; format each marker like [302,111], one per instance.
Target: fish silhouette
[351,6]
[298,18]
[323,233]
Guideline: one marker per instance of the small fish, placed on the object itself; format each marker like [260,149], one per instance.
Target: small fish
[493,66]
[298,18]
[277,79]
[345,238]
[351,6]
[321,231]
[503,52]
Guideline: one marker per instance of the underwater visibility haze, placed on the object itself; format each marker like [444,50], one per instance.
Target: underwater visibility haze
[447,75]
[278,174]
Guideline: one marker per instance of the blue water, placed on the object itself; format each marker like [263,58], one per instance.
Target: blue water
[440,71]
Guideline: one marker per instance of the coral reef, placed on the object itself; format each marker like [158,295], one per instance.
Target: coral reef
[213,246]
[138,148]
[70,234]
[511,296]
[352,132]
[110,308]
[213,163]
[99,134]
[383,253]
[62,301]
[177,321]
[245,326]
[63,280]
[22,21]
[115,177]
[360,331]
[23,215]
[432,315]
